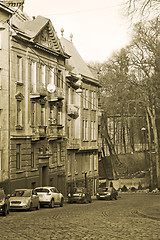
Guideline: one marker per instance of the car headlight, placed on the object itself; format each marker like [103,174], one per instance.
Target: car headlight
[83,195]
[97,194]
[25,201]
[109,194]
[2,202]
[69,195]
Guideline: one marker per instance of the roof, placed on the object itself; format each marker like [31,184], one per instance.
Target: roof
[76,63]
[5,8]
[31,28]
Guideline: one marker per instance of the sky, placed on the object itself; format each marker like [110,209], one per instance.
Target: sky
[99,27]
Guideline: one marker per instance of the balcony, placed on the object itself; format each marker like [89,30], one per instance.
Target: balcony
[72,110]
[38,92]
[38,132]
[54,132]
[57,95]
[73,144]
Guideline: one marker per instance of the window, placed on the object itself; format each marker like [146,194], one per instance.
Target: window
[59,79]
[44,75]
[43,112]
[91,162]
[84,98]
[93,100]
[59,115]
[85,130]
[75,166]
[52,76]
[69,129]
[33,160]
[33,77]
[52,115]
[87,99]
[58,153]
[33,113]
[19,69]
[93,130]
[69,165]
[18,156]
[19,113]
[95,162]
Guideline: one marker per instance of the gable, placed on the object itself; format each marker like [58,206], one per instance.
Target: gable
[47,38]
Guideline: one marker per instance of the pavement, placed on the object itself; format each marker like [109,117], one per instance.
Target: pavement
[152,211]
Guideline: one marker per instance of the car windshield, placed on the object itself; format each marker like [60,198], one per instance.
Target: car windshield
[1,194]
[21,193]
[42,190]
[78,190]
[104,189]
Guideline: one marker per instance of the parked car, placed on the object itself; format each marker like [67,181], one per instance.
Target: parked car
[25,199]
[79,195]
[108,193]
[50,196]
[4,203]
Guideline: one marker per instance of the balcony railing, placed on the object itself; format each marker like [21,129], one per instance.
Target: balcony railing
[72,110]
[73,144]
[38,132]
[38,91]
[57,95]
[54,132]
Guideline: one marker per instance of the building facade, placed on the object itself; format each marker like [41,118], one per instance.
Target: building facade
[82,121]
[48,112]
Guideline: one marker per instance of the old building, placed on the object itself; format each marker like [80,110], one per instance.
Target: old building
[32,114]
[82,120]
[48,106]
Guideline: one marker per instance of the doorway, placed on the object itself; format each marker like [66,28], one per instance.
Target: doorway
[44,176]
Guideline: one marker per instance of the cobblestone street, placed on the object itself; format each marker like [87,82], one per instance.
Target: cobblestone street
[119,219]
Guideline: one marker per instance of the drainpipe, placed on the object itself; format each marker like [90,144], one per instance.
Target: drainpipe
[9,89]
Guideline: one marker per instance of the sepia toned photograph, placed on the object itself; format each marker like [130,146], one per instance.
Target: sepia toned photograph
[79,120]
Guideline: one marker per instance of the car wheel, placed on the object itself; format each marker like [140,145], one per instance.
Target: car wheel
[31,207]
[61,204]
[38,206]
[5,212]
[51,205]
[116,197]
[90,200]
[111,198]
[85,200]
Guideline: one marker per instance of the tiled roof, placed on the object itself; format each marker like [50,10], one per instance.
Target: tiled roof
[76,61]
[31,28]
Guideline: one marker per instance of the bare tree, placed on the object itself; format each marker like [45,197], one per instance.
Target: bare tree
[143,7]
[145,71]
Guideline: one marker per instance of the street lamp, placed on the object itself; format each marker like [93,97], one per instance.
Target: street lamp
[85,179]
[143,129]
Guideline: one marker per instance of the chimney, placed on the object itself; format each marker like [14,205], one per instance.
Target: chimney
[14,3]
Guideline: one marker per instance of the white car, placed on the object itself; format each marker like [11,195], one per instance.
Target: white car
[25,199]
[50,196]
